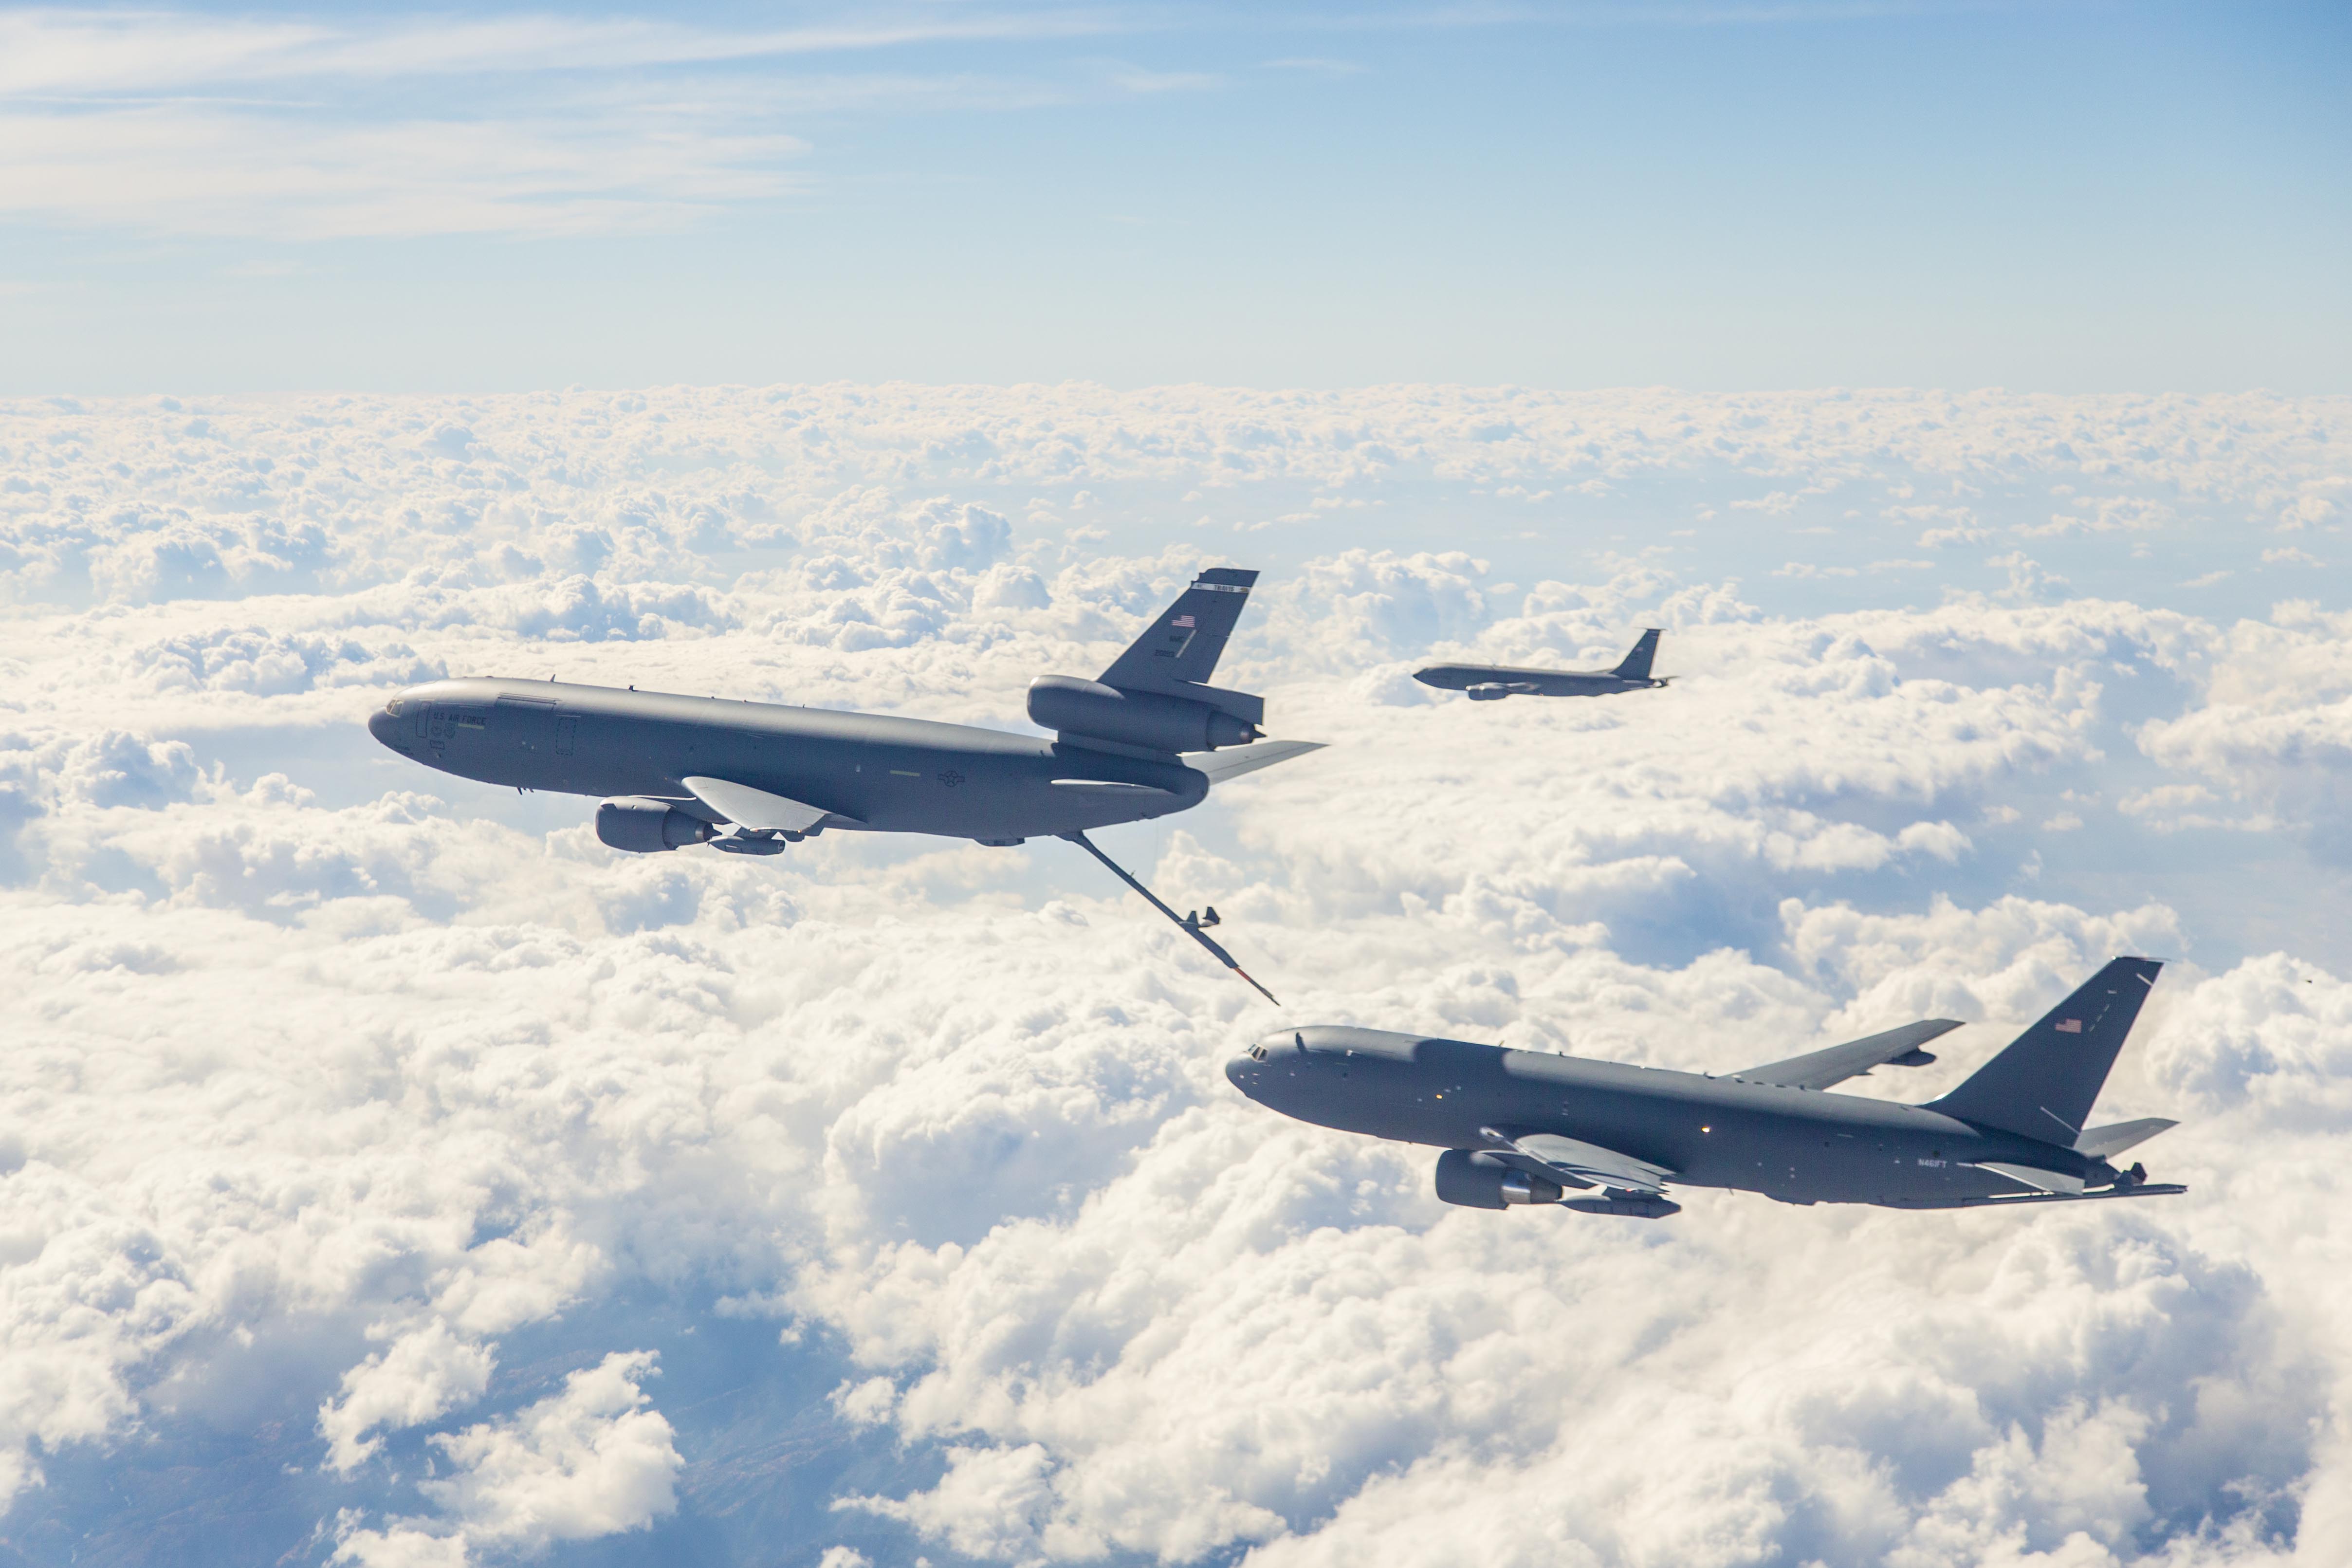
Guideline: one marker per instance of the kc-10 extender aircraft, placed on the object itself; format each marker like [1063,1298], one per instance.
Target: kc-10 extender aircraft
[1493,682]
[1146,740]
[1524,1127]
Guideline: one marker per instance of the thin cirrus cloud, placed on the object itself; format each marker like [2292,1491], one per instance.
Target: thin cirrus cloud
[177,123]
[200,169]
[180,122]
[66,53]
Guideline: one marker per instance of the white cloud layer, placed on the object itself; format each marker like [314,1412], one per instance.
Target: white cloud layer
[369,1140]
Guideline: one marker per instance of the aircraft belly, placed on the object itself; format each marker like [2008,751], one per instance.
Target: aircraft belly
[1785,1145]
[1805,1163]
[981,792]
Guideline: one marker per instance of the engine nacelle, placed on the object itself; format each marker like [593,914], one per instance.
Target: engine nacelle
[1476,1179]
[642,826]
[1151,720]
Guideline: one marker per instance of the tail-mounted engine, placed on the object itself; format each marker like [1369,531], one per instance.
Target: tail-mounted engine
[1086,711]
[642,826]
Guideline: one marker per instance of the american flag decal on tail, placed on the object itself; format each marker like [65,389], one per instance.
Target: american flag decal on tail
[2069,1026]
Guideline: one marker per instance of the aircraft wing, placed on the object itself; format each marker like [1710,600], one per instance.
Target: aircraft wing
[1819,1069]
[1232,763]
[756,809]
[1585,1165]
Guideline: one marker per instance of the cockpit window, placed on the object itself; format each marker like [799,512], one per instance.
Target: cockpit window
[1257,1052]
[392,707]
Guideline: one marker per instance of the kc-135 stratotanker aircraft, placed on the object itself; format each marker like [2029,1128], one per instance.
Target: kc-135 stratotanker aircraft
[1493,682]
[1147,739]
[1527,1127]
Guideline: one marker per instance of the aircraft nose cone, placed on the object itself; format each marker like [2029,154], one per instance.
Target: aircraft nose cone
[385,728]
[1239,1072]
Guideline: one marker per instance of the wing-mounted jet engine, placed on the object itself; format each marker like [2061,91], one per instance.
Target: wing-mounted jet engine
[1526,1128]
[1149,738]
[642,825]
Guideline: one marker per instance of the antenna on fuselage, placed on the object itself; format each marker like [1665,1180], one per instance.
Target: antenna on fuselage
[1191,928]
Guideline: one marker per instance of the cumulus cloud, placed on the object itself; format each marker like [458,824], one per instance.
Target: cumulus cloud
[405,1109]
[425,1374]
[271,664]
[591,1461]
[2276,728]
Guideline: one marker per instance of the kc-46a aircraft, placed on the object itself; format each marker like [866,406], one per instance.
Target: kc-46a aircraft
[1525,1127]
[1147,739]
[1493,682]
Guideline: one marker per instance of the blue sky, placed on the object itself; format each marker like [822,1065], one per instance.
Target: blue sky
[2068,197]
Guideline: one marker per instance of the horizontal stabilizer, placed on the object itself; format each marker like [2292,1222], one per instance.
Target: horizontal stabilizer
[1233,763]
[2104,1142]
[2031,1177]
[756,809]
[1819,1069]
[1584,1164]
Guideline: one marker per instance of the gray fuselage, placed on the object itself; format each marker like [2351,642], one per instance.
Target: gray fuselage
[1797,1145]
[894,775]
[1504,681]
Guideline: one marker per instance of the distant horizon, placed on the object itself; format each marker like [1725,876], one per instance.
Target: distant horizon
[1120,389]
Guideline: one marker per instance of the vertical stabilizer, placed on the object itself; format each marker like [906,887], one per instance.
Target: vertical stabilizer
[1636,664]
[2043,1084]
[1185,644]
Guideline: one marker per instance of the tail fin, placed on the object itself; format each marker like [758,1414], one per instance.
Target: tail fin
[2043,1084]
[1185,643]
[1636,664]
